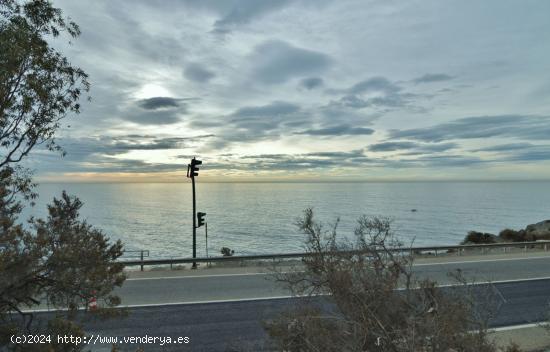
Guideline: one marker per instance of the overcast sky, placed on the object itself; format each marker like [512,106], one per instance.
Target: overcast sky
[308,89]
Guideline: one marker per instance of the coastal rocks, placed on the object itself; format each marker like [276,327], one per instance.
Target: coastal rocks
[540,230]
[533,232]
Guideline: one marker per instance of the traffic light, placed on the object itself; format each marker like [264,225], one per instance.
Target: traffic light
[200,218]
[192,169]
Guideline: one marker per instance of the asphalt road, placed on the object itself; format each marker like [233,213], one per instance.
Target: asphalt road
[207,288]
[219,312]
[227,326]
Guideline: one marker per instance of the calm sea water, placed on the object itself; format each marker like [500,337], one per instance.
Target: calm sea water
[259,217]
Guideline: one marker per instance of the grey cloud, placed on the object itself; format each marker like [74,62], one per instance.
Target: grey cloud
[98,154]
[418,148]
[374,84]
[519,152]
[432,77]
[389,101]
[275,61]
[350,154]
[542,154]
[155,111]
[392,146]
[441,161]
[82,148]
[375,92]
[504,147]
[197,73]
[158,117]
[238,12]
[311,83]
[158,103]
[295,162]
[339,130]
[275,108]
[253,123]
[514,126]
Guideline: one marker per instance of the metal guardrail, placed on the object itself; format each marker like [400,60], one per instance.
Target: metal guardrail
[141,253]
[412,250]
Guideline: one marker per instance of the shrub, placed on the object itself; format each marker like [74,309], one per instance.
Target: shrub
[227,252]
[372,302]
[474,237]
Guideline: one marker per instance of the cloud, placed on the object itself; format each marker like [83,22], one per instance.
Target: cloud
[275,61]
[432,77]
[514,126]
[311,83]
[339,130]
[253,123]
[197,73]
[238,12]
[505,147]
[375,92]
[374,84]
[392,146]
[80,148]
[542,154]
[127,143]
[519,152]
[439,161]
[418,148]
[296,162]
[155,111]
[157,117]
[276,108]
[158,103]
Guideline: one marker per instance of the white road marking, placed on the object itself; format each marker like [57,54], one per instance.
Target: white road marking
[254,274]
[521,326]
[262,298]
[193,276]
[481,261]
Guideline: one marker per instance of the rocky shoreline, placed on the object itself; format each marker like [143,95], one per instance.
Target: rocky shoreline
[533,232]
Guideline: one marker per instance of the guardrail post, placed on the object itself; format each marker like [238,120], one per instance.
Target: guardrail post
[525,248]
[545,247]
[436,252]
[141,255]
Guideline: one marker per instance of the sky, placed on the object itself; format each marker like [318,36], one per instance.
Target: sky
[311,90]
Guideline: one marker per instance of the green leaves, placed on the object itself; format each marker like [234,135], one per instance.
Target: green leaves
[38,85]
[61,260]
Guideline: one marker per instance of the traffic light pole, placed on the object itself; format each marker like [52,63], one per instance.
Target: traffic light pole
[192,172]
[194,222]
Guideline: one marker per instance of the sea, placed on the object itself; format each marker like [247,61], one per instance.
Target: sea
[260,218]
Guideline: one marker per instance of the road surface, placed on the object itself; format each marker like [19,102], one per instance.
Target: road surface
[227,326]
[189,287]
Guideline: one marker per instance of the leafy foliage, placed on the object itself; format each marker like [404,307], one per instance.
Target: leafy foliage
[38,85]
[63,262]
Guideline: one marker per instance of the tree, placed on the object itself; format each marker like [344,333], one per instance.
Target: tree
[372,302]
[60,260]
[64,262]
[38,85]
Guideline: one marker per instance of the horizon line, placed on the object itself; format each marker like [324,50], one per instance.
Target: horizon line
[301,181]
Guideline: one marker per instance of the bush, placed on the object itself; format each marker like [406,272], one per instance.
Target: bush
[509,235]
[227,252]
[61,260]
[372,302]
[474,237]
